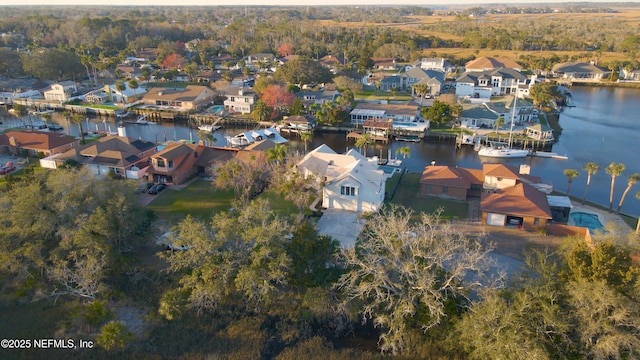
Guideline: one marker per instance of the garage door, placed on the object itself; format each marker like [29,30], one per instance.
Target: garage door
[496,219]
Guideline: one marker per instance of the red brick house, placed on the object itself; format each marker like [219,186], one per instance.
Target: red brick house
[174,164]
[520,205]
[35,142]
[451,182]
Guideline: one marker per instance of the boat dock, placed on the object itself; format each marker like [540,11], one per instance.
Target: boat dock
[356,135]
[551,155]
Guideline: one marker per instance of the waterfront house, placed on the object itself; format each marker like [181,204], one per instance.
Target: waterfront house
[451,182]
[405,112]
[433,80]
[520,205]
[60,92]
[125,156]
[540,132]
[580,72]
[309,98]
[488,83]
[508,196]
[174,164]
[240,99]
[36,143]
[190,98]
[350,181]
[128,95]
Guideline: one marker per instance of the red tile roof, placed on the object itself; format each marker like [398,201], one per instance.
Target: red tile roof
[449,176]
[500,170]
[38,140]
[518,200]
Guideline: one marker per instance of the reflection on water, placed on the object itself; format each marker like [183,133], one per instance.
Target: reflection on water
[602,127]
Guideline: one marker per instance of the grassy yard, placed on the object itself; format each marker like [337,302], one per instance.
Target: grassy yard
[199,200]
[407,196]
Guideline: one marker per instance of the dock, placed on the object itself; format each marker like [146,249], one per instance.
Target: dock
[551,155]
[356,135]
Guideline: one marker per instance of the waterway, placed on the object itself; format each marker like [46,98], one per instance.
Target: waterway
[603,126]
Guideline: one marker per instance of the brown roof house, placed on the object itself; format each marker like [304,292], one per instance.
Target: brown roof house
[175,164]
[485,63]
[520,205]
[36,142]
[451,182]
[192,97]
[124,156]
[509,196]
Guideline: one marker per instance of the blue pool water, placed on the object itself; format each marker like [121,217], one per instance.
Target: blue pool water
[216,109]
[587,220]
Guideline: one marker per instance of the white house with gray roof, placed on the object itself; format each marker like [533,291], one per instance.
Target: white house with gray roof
[351,182]
[485,84]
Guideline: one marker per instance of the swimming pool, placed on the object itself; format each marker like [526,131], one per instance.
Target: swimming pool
[216,109]
[587,220]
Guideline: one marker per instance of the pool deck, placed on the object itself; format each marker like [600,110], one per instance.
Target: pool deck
[604,216]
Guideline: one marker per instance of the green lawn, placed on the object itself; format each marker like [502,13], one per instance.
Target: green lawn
[407,196]
[199,200]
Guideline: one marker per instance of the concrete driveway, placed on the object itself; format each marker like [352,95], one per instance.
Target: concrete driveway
[342,225]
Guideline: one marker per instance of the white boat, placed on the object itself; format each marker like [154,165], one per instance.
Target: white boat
[497,149]
[249,137]
[502,150]
[142,121]
[210,128]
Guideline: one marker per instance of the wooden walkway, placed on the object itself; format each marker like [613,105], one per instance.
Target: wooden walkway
[355,135]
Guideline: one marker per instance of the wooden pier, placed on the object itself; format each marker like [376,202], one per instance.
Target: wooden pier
[355,135]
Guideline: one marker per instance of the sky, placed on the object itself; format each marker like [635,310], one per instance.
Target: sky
[281,2]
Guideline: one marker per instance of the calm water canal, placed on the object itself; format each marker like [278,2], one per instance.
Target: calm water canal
[603,127]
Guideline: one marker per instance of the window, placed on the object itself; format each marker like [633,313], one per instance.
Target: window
[170,163]
[427,187]
[445,189]
[160,162]
[348,190]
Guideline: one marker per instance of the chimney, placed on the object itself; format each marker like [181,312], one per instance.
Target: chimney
[13,142]
[525,169]
[241,91]
[122,132]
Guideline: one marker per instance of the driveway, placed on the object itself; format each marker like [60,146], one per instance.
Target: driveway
[342,225]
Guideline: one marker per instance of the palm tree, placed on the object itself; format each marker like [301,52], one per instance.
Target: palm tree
[363,142]
[614,170]
[278,153]
[405,151]
[633,179]
[499,122]
[421,90]
[261,112]
[570,174]
[306,137]
[133,85]
[121,87]
[206,136]
[591,168]
[77,119]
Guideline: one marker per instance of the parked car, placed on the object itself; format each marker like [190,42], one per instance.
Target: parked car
[7,168]
[157,189]
[145,187]
[167,240]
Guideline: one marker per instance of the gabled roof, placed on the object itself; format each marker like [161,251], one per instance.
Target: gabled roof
[577,67]
[37,140]
[212,154]
[189,93]
[520,200]
[500,170]
[505,73]
[110,150]
[488,62]
[175,150]
[116,143]
[450,176]
[395,109]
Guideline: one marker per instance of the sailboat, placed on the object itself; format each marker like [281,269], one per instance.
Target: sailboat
[497,149]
